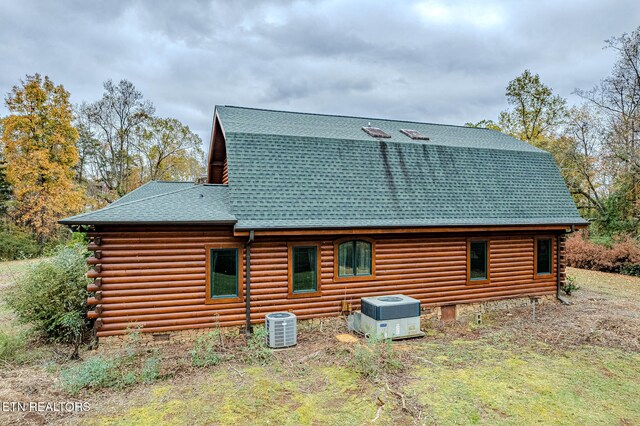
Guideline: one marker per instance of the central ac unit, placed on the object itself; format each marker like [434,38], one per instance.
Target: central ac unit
[281,329]
[389,317]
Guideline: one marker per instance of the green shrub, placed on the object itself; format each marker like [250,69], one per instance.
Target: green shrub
[16,348]
[77,238]
[115,371]
[52,296]
[602,240]
[93,373]
[11,346]
[207,350]
[257,351]
[150,371]
[631,269]
[570,285]
[17,244]
[375,358]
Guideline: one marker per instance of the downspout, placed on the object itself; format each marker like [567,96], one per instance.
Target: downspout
[559,295]
[248,284]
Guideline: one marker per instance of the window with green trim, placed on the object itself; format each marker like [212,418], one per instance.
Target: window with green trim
[543,256]
[223,271]
[354,258]
[304,269]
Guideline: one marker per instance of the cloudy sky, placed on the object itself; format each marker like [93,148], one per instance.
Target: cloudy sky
[435,61]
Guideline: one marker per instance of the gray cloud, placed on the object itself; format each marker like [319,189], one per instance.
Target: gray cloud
[437,61]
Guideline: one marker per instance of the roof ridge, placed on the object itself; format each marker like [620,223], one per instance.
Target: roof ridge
[111,206]
[173,181]
[356,116]
[156,196]
[130,192]
[400,142]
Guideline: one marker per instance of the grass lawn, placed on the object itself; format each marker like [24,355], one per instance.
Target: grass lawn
[9,272]
[577,364]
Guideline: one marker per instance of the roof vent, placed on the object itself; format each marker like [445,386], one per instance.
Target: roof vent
[375,132]
[414,134]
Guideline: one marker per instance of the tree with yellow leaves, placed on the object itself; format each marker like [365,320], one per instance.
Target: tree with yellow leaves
[38,141]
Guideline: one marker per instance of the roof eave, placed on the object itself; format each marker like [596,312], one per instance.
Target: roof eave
[426,228]
[132,222]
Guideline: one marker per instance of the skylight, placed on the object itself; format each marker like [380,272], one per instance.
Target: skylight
[375,132]
[414,134]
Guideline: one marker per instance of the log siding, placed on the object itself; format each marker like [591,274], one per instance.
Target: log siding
[155,278]
[225,172]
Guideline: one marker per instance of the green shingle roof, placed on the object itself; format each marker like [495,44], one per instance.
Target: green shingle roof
[279,123]
[296,170]
[150,189]
[168,203]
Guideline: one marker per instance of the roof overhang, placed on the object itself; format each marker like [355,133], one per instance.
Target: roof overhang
[410,229]
[168,222]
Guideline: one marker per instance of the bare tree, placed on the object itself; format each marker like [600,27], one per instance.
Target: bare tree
[582,164]
[113,121]
[87,145]
[618,96]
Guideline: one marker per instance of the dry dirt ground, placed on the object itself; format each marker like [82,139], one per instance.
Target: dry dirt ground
[577,364]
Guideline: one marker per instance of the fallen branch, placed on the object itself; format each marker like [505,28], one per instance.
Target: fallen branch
[399,395]
[377,414]
[427,361]
[380,405]
[310,356]
[237,371]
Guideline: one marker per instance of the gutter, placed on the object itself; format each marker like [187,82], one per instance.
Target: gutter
[559,295]
[244,230]
[147,222]
[351,230]
[248,328]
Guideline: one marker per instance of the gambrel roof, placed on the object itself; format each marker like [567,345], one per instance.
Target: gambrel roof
[291,170]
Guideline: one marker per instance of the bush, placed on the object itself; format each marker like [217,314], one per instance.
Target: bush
[586,254]
[52,296]
[602,240]
[116,371]
[257,351]
[17,244]
[207,351]
[570,286]
[150,371]
[11,346]
[375,357]
[631,269]
[97,372]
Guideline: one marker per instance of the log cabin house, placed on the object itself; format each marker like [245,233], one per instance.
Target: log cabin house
[308,213]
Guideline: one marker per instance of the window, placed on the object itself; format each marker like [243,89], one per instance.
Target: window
[223,274]
[303,269]
[354,258]
[544,251]
[478,261]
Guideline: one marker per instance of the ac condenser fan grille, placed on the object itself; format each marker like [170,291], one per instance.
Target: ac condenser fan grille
[281,329]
